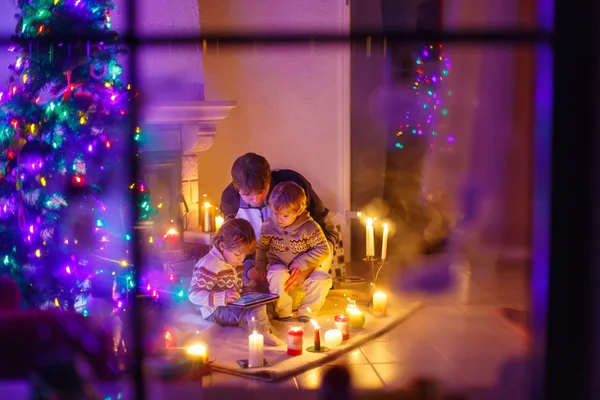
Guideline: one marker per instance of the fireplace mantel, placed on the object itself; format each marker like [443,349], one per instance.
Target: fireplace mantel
[188,126]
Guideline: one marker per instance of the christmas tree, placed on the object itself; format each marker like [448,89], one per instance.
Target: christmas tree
[428,118]
[64,132]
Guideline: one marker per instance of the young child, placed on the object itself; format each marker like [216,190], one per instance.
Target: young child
[218,280]
[292,247]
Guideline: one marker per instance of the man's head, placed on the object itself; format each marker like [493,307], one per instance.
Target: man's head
[288,201]
[251,175]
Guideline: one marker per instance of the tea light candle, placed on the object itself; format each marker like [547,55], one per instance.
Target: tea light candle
[379,303]
[256,343]
[370,238]
[333,337]
[342,322]
[207,213]
[295,339]
[356,317]
[218,222]
[317,332]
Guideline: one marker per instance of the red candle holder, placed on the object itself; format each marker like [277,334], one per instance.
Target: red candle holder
[342,322]
[295,341]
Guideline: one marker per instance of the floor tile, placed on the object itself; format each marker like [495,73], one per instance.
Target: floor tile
[398,375]
[363,377]
[219,379]
[353,358]
[415,352]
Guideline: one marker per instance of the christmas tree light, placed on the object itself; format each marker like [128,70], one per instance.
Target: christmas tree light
[63,164]
[432,68]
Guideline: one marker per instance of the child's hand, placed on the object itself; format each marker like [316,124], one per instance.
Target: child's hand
[293,268]
[258,278]
[231,295]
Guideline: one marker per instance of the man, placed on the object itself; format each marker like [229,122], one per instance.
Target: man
[246,197]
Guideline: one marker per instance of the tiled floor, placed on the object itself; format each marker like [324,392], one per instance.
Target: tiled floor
[456,339]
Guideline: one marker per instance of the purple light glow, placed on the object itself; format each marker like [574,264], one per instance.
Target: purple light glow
[450,139]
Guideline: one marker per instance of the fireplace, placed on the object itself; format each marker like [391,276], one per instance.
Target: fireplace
[177,133]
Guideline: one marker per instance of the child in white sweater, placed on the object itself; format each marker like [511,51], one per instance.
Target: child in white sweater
[218,280]
[292,248]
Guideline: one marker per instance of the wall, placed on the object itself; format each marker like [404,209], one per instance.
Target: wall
[8,9]
[291,102]
[489,177]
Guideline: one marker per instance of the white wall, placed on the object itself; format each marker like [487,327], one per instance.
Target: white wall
[8,9]
[292,101]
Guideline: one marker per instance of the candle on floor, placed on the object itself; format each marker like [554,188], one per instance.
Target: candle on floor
[384,241]
[198,353]
[317,333]
[342,322]
[356,317]
[207,213]
[218,222]
[333,338]
[295,339]
[379,303]
[370,238]
[256,343]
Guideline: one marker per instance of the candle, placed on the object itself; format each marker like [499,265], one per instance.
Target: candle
[384,241]
[218,222]
[379,303]
[317,332]
[333,337]
[256,343]
[356,317]
[370,238]
[295,338]
[207,213]
[342,322]
[198,352]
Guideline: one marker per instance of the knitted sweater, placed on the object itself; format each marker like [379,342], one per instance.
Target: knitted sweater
[211,278]
[303,242]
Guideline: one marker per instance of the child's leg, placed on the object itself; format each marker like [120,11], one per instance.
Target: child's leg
[317,286]
[227,316]
[277,275]
[262,325]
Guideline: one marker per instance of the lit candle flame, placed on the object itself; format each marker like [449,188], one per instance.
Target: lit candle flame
[196,350]
[369,221]
[315,324]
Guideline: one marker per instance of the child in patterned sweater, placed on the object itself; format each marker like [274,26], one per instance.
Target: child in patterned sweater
[292,248]
[218,279]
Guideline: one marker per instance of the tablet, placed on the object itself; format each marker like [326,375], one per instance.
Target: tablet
[254,299]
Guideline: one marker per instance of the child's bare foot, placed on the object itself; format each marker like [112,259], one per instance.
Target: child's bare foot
[272,340]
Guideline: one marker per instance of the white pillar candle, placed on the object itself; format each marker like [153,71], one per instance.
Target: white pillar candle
[379,303]
[370,238]
[384,241]
[333,337]
[256,343]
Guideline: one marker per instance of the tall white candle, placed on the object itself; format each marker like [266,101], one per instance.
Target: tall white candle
[370,238]
[256,343]
[384,241]
[218,222]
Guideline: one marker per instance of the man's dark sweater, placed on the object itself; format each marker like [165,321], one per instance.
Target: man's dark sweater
[233,206]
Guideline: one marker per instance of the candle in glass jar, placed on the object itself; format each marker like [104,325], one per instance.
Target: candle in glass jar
[207,213]
[256,344]
[379,303]
[295,339]
[384,241]
[370,244]
[355,316]
[342,322]
[317,333]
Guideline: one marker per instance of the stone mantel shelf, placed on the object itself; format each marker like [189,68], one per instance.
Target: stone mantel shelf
[198,121]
